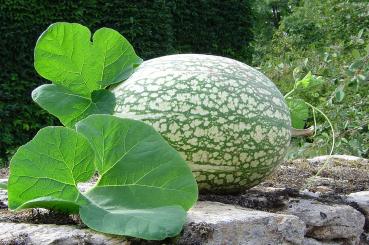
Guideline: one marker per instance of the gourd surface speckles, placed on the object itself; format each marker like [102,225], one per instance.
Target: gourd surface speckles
[228,120]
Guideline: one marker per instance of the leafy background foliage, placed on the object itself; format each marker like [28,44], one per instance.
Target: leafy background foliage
[289,39]
[154,28]
[330,39]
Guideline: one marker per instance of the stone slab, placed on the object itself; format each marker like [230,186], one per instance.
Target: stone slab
[328,222]
[216,223]
[361,198]
[47,234]
[3,194]
[208,223]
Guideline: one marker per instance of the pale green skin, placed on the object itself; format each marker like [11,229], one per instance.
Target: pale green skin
[228,120]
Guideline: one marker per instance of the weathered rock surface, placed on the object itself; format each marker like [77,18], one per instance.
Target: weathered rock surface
[328,222]
[342,174]
[364,239]
[208,223]
[3,195]
[346,158]
[361,199]
[312,241]
[3,181]
[13,233]
[216,223]
[293,206]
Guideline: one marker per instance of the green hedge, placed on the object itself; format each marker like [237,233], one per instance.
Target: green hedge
[214,27]
[155,28]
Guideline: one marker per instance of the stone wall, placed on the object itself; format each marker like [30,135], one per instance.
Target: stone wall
[291,207]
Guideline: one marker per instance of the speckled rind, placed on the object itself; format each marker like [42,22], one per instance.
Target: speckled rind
[228,120]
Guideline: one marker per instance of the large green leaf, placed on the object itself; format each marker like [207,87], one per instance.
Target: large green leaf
[299,112]
[65,55]
[144,189]
[70,107]
[115,56]
[145,186]
[45,171]
[146,223]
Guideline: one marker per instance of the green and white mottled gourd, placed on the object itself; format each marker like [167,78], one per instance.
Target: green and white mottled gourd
[228,120]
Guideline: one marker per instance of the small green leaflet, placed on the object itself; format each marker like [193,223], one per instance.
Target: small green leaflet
[356,54]
[80,69]
[45,171]
[70,107]
[299,112]
[305,81]
[308,81]
[144,188]
[339,94]
[65,55]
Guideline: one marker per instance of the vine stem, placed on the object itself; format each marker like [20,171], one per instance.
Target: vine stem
[289,93]
[315,130]
[333,135]
[314,117]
